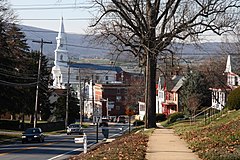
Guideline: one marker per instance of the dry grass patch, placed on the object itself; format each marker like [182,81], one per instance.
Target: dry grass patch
[127,147]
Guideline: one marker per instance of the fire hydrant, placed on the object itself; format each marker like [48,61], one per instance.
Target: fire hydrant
[84,143]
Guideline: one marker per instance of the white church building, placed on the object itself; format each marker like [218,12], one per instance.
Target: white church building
[79,75]
[219,95]
[64,69]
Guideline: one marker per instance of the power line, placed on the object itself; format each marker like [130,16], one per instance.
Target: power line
[52,8]
[15,76]
[11,73]
[80,46]
[45,31]
[33,84]
[62,4]
[55,19]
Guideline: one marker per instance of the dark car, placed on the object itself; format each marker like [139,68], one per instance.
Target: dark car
[121,119]
[32,135]
[74,128]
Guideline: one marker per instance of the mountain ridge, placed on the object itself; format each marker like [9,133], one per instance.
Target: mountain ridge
[81,46]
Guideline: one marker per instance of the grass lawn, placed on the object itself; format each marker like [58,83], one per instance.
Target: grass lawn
[8,137]
[219,140]
[3,137]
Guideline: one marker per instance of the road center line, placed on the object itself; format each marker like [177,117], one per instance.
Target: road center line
[78,149]
[28,148]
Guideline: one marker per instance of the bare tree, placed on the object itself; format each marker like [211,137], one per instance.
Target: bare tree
[146,29]
[135,93]
[193,103]
[213,69]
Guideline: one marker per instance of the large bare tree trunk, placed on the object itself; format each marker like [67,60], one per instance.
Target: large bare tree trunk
[147,28]
[150,100]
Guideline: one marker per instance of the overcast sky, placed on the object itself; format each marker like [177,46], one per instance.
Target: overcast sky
[77,15]
[47,13]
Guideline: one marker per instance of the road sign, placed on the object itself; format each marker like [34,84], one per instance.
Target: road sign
[97,112]
[97,119]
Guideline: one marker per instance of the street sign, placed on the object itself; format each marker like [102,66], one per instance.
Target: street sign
[97,112]
[97,119]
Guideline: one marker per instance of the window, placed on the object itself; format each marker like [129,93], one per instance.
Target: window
[97,77]
[118,91]
[118,98]
[106,78]
[77,77]
[141,107]
[160,94]
[236,81]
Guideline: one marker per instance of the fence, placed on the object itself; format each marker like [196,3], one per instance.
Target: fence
[209,114]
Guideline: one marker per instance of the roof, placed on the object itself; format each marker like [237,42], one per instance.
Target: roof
[96,67]
[172,84]
[178,85]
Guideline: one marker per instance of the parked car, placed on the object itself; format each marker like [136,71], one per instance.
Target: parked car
[74,128]
[121,119]
[33,134]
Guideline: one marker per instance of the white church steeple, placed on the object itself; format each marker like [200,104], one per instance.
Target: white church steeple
[60,71]
[228,65]
[61,53]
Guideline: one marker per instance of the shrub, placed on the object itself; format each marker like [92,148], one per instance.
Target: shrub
[9,124]
[234,99]
[173,117]
[160,117]
[138,123]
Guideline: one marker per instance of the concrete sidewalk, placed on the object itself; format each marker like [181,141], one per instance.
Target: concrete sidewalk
[165,145]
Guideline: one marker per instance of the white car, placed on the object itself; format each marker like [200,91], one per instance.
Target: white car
[74,128]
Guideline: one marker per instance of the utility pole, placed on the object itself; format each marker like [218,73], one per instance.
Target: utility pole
[94,110]
[38,79]
[80,97]
[146,91]
[84,82]
[93,105]
[67,98]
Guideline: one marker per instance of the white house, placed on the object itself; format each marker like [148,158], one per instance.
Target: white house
[219,95]
[167,98]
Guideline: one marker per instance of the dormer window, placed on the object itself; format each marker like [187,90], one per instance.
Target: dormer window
[236,81]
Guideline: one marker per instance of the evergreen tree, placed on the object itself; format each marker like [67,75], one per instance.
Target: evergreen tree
[19,68]
[234,99]
[59,110]
[195,92]
[12,60]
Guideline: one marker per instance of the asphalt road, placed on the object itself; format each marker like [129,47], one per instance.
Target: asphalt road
[56,147]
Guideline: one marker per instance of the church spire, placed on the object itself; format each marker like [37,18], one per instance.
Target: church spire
[61,38]
[61,53]
[228,65]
